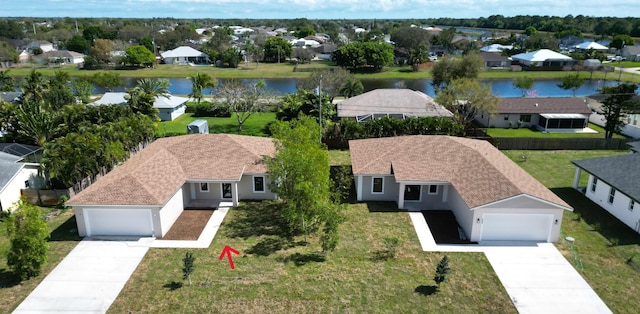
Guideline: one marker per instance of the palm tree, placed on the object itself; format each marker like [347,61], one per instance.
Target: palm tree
[33,87]
[36,122]
[7,83]
[352,87]
[153,87]
[200,82]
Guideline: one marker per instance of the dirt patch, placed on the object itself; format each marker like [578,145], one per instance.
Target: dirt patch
[189,225]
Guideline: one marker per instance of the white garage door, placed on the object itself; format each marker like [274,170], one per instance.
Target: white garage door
[516,227]
[127,222]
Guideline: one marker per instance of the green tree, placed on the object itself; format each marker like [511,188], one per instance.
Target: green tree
[59,93]
[442,270]
[305,31]
[8,53]
[34,87]
[300,175]
[530,31]
[231,57]
[541,41]
[28,235]
[305,102]
[78,44]
[244,99]
[82,89]
[622,40]
[199,83]
[616,105]
[417,56]
[139,55]
[571,82]
[36,121]
[101,50]
[142,97]
[330,81]
[411,37]
[364,55]
[466,98]
[452,68]
[188,266]
[523,83]
[277,49]
[107,80]
[7,83]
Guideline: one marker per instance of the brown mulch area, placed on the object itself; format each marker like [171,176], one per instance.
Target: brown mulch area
[443,226]
[189,225]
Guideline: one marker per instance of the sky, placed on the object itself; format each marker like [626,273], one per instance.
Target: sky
[316,9]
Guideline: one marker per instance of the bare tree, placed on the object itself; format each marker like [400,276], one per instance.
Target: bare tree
[244,99]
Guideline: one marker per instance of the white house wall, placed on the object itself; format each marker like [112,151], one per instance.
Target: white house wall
[464,216]
[170,212]
[556,212]
[169,114]
[620,206]
[11,193]
[498,120]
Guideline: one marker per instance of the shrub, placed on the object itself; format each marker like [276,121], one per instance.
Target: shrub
[442,270]
[391,245]
[28,235]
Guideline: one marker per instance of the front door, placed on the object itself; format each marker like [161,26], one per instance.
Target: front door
[412,192]
[226,190]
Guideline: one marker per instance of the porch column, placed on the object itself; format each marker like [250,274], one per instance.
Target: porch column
[445,192]
[193,190]
[576,178]
[401,196]
[234,193]
[359,188]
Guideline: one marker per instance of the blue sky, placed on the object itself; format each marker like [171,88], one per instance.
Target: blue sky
[317,9]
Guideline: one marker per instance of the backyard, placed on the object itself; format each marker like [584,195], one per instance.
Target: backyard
[529,133]
[256,125]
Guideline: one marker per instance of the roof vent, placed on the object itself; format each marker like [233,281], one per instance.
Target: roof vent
[536,104]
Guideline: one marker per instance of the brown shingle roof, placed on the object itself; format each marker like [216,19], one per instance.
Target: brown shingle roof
[392,101]
[153,175]
[543,105]
[478,171]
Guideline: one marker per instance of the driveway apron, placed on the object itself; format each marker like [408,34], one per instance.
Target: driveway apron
[88,280]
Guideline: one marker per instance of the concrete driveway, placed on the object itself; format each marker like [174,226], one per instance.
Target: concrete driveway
[540,280]
[88,280]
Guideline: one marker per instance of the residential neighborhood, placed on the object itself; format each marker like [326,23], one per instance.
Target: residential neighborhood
[298,165]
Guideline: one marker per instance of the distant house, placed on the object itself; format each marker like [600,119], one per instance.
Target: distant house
[24,56]
[146,194]
[496,48]
[399,103]
[631,53]
[494,60]
[325,51]
[24,152]
[543,59]
[491,197]
[18,170]
[169,108]
[11,97]
[614,184]
[60,57]
[561,114]
[588,45]
[569,41]
[44,45]
[632,119]
[184,55]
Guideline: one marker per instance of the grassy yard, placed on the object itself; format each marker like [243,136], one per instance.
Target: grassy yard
[528,133]
[256,125]
[603,245]
[62,241]
[278,274]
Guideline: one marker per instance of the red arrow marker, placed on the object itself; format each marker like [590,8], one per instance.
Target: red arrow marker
[228,250]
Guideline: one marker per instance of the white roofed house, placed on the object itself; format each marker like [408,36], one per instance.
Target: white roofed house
[399,103]
[60,57]
[587,45]
[543,59]
[169,108]
[184,55]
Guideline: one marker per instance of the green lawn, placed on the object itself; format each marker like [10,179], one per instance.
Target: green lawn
[63,239]
[603,244]
[276,274]
[256,125]
[528,133]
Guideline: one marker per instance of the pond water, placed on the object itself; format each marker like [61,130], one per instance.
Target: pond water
[500,87]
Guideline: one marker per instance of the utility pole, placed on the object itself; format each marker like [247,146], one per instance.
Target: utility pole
[620,63]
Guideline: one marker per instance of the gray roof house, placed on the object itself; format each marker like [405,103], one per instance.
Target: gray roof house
[614,184]
[398,103]
[169,108]
[491,197]
[146,194]
[551,114]
[494,60]
[631,53]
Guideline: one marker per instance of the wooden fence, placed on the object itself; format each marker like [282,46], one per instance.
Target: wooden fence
[559,143]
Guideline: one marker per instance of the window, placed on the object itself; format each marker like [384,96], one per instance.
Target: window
[433,189]
[506,118]
[612,195]
[226,190]
[593,184]
[204,187]
[632,204]
[525,117]
[258,184]
[378,186]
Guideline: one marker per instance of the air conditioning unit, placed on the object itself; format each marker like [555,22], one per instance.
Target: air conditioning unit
[198,126]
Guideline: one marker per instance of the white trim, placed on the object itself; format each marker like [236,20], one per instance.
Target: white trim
[359,188]
[206,184]
[264,184]
[429,189]
[522,195]
[373,179]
